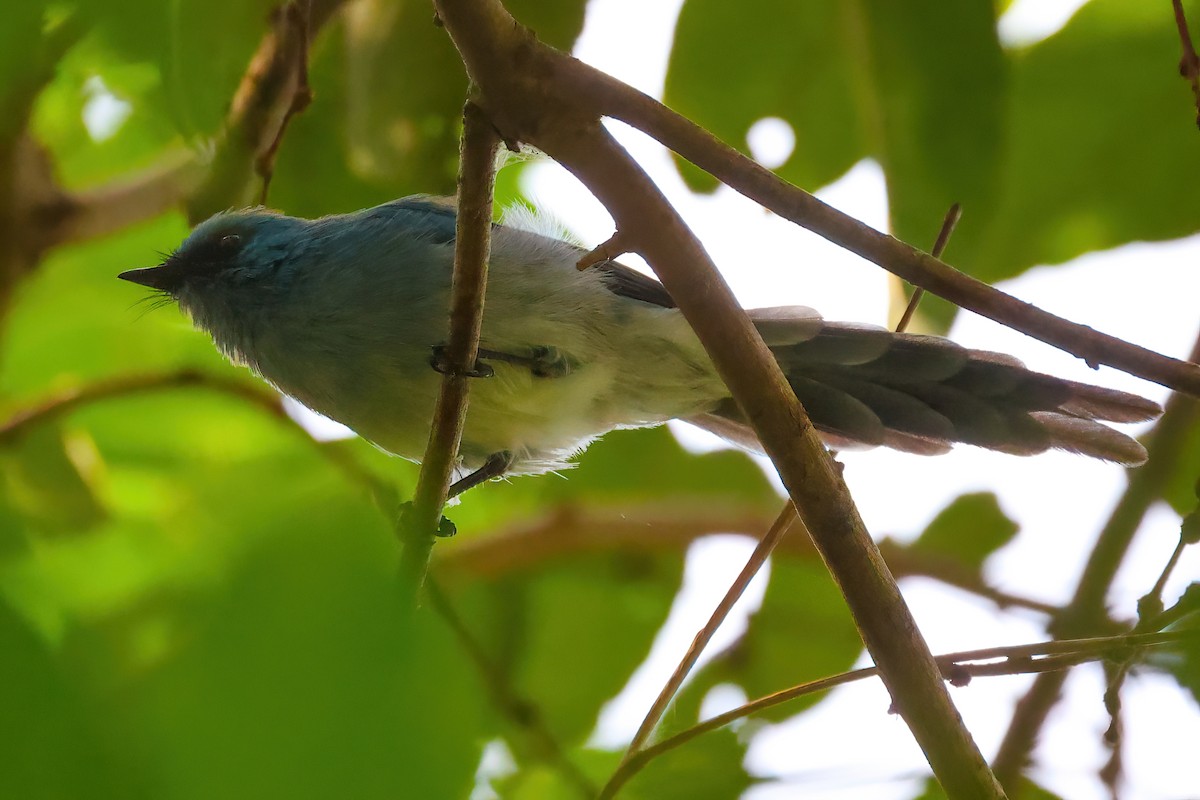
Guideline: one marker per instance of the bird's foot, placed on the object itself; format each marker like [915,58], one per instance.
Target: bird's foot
[439,363]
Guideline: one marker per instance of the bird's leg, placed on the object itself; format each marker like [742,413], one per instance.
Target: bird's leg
[493,467]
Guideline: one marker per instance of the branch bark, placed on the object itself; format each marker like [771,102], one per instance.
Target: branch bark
[472,247]
[520,85]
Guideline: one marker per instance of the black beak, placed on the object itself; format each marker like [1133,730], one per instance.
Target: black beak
[165,278]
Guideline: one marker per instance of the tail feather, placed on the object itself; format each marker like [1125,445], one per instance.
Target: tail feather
[865,386]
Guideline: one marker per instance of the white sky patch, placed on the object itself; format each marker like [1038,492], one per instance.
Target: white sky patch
[1029,21]
[771,141]
[103,112]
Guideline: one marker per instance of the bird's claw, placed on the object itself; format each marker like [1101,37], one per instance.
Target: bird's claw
[439,363]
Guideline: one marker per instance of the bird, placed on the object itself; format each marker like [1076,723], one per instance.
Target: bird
[348,314]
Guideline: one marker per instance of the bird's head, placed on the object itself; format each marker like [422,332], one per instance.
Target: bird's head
[234,253]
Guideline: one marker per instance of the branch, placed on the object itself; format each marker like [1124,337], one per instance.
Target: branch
[519,711]
[520,83]
[273,89]
[1044,658]
[615,99]
[472,244]
[97,212]
[66,402]
[1189,62]
[783,523]
[1087,606]
[569,531]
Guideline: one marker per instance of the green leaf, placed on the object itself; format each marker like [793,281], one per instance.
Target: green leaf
[1046,163]
[303,681]
[710,766]
[402,88]
[49,476]
[49,742]
[727,75]
[200,48]
[1101,143]
[968,530]
[920,87]
[1182,659]
[1182,486]
[569,636]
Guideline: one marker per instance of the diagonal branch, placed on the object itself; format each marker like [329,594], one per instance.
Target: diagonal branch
[614,98]
[520,84]
[70,400]
[777,531]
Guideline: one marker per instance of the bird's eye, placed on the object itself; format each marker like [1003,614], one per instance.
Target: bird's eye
[230,241]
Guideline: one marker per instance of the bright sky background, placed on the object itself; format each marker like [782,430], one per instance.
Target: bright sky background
[1060,500]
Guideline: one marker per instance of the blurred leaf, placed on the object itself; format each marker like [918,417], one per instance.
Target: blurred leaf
[710,766]
[75,321]
[48,475]
[1182,659]
[968,530]
[132,128]
[304,682]
[1047,165]
[404,86]
[49,747]
[572,635]
[803,631]
[1028,791]
[201,48]
[1093,163]
[918,87]
[1182,486]
[726,75]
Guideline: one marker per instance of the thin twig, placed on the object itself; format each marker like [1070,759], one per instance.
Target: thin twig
[1189,62]
[783,523]
[297,15]
[1044,658]
[1087,606]
[519,711]
[953,214]
[472,243]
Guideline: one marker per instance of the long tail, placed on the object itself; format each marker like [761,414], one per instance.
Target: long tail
[866,386]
